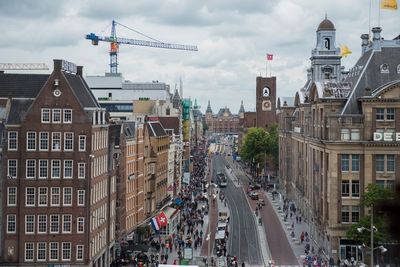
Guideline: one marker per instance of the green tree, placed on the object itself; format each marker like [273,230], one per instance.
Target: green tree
[273,143]
[373,197]
[254,145]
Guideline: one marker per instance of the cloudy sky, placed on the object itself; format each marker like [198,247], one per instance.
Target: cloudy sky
[233,37]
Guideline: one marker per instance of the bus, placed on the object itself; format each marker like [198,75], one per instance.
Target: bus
[221,179]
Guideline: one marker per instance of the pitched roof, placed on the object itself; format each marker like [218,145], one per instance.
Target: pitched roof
[367,74]
[18,109]
[81,89]
[129,129]
[170,123]
[21,85]
[155,128]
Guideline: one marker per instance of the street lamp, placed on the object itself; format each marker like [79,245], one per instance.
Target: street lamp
[372,230]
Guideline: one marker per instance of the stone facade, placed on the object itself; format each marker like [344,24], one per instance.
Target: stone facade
[329,145]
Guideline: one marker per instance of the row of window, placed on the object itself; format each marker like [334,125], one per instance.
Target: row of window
[40,197]
[51,251]
[56,115]
[41,141]
[40,168]
[383,163]
[350,214]
[385,114]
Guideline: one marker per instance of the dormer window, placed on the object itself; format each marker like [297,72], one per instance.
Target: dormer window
[398,69]
[384,68]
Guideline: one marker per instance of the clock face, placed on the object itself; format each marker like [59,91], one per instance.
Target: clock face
[266,92]
[57,92]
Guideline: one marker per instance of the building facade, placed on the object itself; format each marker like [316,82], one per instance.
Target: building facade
[339,135]
[55,170]
[223,122]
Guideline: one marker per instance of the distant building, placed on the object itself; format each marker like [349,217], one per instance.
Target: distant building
[223,122]
[338,134]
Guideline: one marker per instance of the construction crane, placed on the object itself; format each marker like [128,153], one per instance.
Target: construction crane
[23,66]
[116,41]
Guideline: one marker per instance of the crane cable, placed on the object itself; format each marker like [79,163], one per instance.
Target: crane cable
[138,32]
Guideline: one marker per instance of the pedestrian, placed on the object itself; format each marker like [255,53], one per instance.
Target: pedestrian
[300,219]
[297,219]
[166,258]
[302,237]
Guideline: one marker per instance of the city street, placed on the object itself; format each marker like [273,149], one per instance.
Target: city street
[243,241]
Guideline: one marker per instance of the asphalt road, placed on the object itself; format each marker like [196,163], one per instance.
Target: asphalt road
[243,239]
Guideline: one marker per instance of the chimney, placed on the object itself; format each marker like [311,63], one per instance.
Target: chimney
[57,64]
[376,33]
[364,42]
[79,70]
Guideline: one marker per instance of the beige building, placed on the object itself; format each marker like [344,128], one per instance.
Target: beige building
[340,133]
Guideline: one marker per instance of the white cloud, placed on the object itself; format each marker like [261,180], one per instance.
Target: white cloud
[233,37]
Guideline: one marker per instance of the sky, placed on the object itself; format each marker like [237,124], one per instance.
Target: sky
[233,37]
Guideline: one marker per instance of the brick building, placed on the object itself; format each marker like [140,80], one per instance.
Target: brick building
[56,201]
[223,122]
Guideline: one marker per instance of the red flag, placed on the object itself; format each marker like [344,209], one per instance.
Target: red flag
[162,219]
[270,56]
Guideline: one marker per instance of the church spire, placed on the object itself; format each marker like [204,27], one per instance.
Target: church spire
[241,110]
[209,110]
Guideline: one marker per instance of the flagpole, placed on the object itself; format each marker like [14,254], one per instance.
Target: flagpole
[266,66]
[369,21]
[379,13]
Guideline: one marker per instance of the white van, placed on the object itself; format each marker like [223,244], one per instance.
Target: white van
[222,226]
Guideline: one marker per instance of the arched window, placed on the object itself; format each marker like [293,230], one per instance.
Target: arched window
[327,43]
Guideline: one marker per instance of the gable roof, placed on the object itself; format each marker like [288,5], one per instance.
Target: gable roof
[155,129]
[81,89]
[170,123]
[21,85]
[18,109]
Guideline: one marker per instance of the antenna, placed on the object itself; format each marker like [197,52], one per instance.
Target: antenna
[181,87]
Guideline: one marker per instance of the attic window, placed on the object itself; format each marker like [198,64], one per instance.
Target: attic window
[384,68]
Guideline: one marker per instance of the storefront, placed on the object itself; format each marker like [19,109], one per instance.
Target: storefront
[173,220]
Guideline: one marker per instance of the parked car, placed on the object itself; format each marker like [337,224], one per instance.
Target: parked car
[254,195]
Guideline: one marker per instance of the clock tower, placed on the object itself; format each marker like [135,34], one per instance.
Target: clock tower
[265,101]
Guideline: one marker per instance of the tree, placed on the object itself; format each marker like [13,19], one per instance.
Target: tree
[273,143]
[373,197]
[254,145]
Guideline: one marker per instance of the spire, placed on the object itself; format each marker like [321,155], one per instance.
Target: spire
[241,110]
[195,104]
[209,110]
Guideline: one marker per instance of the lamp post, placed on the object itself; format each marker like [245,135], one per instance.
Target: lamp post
[371,230]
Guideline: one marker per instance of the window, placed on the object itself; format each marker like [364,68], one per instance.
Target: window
[345,162]
[355,134]
[11,196]
[390,163]
[43,168]
[55,196]
[66,251]
[380,114]
[45,115]
[29,224]
[54,224]
[355,214]
[56,115]
[67,115]
[30,197]
[43,141]
[82,143]
[345,214]
[55,169]
[390,114]
[29,249]
[68,141]
[67,196]
[345,134]
[79,252]
[355,188]
[81,197]
[56,141]
[380,163]
[42,224]
[355,163]
[67,221]
[81,170]
[42,196]
[31,141]
[41,251]
[11,224]
[53,251]
[345,188]
[68,169]
[12,140]
[80,228]
[30,169]
[12,168]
